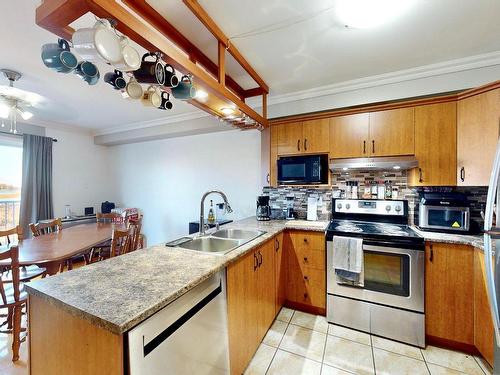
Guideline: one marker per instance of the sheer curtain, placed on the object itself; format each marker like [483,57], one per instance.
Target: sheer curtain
[36,188]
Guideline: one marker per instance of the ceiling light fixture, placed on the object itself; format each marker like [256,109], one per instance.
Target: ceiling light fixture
[12,102]
[201,94]
[227,111]
[363,14]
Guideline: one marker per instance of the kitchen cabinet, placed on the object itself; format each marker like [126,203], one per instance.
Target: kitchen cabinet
[280,272]
[273,169]
[251,300]
[449,293]
[483,323]
[435,145]
[392,132]
[478,123]
[308,137]
[383,133]
[306,278]
[349,135]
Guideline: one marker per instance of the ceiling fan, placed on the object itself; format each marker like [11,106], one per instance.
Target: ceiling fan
[15,102]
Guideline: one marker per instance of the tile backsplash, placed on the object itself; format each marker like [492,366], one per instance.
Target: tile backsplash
[398,179]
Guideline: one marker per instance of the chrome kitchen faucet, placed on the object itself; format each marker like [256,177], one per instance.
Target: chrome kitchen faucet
[202,208]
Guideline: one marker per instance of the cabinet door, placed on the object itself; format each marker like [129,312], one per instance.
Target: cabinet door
[290,139]
[392,132]
[483,323]
[449,292]
[243,311]
[435,145]
[280,273]
[316,135]
[349,136]
[477,136]
[273,169]
[266,287]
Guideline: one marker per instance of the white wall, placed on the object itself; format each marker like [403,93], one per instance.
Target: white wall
[81,172]
[166,178]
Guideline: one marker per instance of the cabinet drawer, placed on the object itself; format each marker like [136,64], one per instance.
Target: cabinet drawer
[307,241]
[307,287]
[306,258]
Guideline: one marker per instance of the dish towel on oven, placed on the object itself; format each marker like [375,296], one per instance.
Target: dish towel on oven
[348,260]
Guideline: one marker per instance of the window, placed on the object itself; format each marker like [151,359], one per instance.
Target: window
[11,157]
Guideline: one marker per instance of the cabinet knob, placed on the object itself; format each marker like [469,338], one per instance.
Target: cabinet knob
[305,259]
[305,239]
[305,295]
[306,278]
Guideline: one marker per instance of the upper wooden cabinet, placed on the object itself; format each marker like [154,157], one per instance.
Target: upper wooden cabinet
[435,145]
[383,133]
[349,135]
[392,132]
[302,137]
[273,168]
[477,135]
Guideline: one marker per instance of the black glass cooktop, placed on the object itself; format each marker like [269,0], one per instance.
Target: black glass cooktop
[373,230]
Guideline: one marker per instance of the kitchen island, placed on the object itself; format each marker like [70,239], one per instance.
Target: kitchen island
[74,315]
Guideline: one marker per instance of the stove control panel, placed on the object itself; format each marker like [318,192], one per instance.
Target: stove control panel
[372,206]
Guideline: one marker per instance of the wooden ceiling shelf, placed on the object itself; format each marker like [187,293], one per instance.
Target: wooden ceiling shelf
[144,25]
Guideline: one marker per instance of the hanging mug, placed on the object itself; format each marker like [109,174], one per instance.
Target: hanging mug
[170,79]
[58,57]
[130,58]
[150,71]
[115,79]
[185,89]
[88,72]
[151,98]
[100,41]
[165,101]
[134,89]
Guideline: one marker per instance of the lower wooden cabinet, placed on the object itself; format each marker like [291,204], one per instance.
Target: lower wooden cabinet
[483,323]
[306,272]
[449,293]
[280,265]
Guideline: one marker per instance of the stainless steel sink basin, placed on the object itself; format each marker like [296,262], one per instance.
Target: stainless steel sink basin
[238,234]
[211,244]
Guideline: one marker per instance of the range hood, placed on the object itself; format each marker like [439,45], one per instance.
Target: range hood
[374,164]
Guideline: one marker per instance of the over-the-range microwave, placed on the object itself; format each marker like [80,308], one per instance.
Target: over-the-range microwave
[303,170]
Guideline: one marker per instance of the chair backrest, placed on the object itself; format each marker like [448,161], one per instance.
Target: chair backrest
[111,217]
[135,226]
[121,241]
[46,226]
[16,231]
[11,253]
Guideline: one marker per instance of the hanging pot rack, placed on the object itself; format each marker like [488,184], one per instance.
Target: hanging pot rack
[144,25]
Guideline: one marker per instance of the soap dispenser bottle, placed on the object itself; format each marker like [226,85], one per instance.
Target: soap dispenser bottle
[211,215]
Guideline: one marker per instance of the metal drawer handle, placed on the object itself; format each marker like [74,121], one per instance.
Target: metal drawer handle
[305,144]
[373,146]
[462,174]
[420,179]
[364,147]
[255,262]
[431,256]
[298,144]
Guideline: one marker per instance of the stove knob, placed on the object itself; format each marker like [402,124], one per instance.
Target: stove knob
[339,206]
[398,208]
[347,206]
[388,207]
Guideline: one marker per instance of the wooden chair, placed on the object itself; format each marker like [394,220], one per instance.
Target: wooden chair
[111,217]
[135,226]
[27,273]
[13,297]
[45,227]
[121,242]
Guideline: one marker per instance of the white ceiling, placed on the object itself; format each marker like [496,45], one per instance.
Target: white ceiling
[309,53]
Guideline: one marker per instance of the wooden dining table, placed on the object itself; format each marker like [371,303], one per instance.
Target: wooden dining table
[53,249]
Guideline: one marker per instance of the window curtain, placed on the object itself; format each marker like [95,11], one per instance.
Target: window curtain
[36,188]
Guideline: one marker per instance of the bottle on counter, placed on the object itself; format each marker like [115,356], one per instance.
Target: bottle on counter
[367,193]
[211,214]
[354,191]
[395,192]
[388,189]
[381,190]
[374,189]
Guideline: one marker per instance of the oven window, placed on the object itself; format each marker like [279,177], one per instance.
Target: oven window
[293,171]
[446,218]
[387,273]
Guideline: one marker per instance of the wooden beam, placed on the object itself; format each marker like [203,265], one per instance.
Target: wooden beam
[222,63]
[204,17]
[256,91]
[148,36]
[56,15]
[264,105]
[150,14]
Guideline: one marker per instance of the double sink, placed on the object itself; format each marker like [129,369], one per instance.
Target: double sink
[222,241]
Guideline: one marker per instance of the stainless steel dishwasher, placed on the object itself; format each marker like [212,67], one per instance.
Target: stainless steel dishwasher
[188,336]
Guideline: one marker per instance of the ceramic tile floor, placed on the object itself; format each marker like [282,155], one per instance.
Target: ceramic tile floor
[300,343]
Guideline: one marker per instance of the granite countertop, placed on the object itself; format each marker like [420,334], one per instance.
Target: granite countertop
[119,293]
[463,239]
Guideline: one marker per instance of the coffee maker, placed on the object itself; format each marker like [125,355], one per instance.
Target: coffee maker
[263,208]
